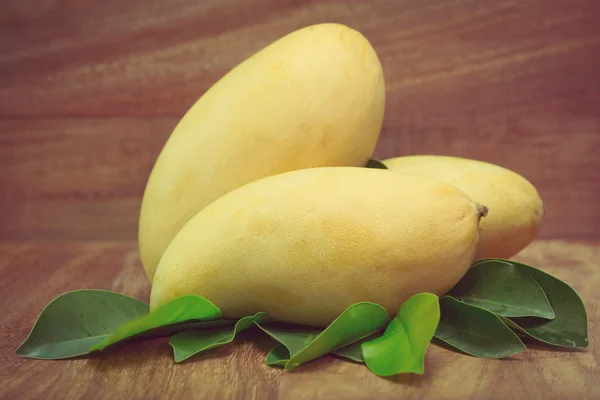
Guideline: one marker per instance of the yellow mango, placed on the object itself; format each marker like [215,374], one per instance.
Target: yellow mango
[314,98]
[304,245]
[515,207]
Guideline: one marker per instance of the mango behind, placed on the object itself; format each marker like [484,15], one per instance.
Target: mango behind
[313,98]
[516,209]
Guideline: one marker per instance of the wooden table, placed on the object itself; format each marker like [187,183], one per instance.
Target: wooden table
[90,91]
[34,273]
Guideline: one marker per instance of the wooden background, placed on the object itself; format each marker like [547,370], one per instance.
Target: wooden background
[90,91]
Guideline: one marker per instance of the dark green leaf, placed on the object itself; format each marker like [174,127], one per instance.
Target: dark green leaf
[354,351]
[375,164]
[402,347]
[569,328]
[170,330]
[475,331]
[295,337]
[192,342]
[181,309]
[305,344]
[503,289]
[278,356]
[74,321]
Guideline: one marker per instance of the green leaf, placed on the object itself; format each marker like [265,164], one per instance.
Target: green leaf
[170,330]
[74,321]
[292,337]
[354,351]
[305,344]
[402,347]
[569,328]
[502,288]
[278,356]
[181,309]
[376,164]
[475,331]
[192,342]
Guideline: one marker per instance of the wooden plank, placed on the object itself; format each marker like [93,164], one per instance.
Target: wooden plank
[440,57]
[84,178]
[35,273]
[464,77]
[77,179]
[92,159]
[75,219]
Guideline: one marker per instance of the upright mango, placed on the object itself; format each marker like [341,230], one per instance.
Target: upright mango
[314,98]
[304,245]
[515,207]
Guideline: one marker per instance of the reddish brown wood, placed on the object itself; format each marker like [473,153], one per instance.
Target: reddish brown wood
[90,92]
[72,58]
[33,274]
[83,179]
[76,179]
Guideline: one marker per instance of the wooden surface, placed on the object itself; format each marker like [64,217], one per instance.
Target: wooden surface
[33,274]
[89,92]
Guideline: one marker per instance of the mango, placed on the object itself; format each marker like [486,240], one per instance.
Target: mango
[313,98]
[304,245]
[515,207]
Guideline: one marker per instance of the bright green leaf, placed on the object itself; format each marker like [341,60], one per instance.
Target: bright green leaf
[502,288]
[402,347]
[305,344]
[181,309]
[74,321]
[191,342]
[475,331]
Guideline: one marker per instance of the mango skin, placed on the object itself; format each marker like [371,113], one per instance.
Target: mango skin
[515,207]
[313,98]
[305,245]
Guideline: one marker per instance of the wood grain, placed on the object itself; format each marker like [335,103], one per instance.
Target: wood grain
[70,58]
[64,179]
[90,92]
[76,179]
[33,274]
